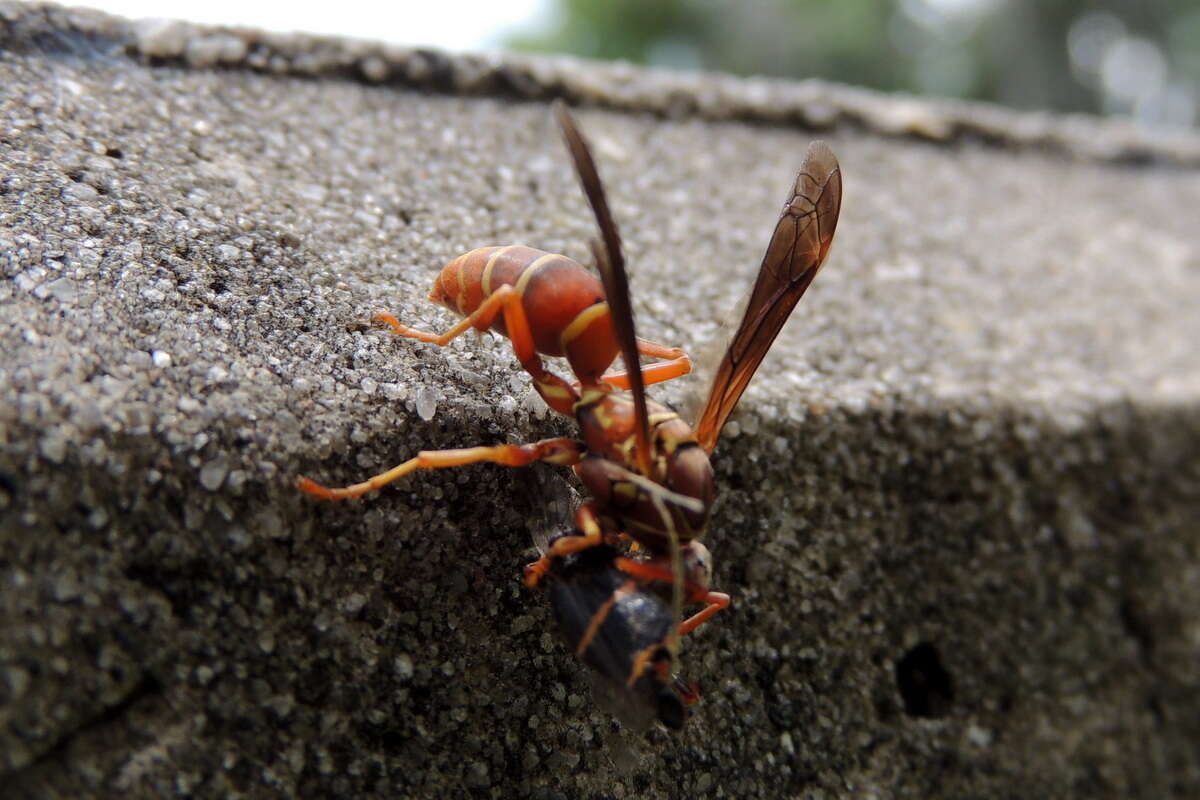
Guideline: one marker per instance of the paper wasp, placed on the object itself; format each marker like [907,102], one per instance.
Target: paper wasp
[647,471]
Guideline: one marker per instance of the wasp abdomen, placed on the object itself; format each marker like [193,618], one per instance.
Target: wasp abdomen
[564,303]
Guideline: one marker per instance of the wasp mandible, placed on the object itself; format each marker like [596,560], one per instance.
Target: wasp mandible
[647,471]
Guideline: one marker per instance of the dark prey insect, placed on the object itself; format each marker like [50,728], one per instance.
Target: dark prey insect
[648,473]
[617,624]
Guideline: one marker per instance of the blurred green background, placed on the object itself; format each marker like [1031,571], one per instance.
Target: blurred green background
[1136,58]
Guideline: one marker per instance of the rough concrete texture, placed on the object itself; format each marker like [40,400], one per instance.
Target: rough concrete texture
[958,510]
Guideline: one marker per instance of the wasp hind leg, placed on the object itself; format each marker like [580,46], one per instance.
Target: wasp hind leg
[558,393]
[561,451]
[677,364]
[481,318]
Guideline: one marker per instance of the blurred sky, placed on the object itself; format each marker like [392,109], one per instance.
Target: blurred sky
[448,24]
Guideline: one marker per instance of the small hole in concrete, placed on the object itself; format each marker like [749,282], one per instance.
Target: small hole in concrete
[925,685]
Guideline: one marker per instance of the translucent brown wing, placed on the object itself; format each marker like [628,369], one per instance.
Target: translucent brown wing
[797,249]
[611,264]
[552,501]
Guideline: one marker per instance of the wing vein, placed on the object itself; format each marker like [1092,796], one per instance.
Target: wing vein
[794,255]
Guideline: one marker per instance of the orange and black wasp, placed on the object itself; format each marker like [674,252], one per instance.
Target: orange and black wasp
[647,471]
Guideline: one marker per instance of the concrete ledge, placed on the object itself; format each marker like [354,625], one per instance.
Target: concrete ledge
[811,104]
[958,510]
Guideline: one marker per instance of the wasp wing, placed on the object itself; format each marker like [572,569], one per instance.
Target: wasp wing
[552,502]
[798,247]
[611,263]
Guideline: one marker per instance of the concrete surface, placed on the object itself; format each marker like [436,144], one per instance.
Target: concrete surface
[958,512]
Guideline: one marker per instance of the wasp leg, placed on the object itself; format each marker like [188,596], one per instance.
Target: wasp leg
[562,452]
[650,571]
[557,393]
[646,570]
[650,658]
[601,614]
[678,365]
[688,691]
[716,601]
[590,535]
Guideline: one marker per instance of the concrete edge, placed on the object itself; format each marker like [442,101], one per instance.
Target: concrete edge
[813,104]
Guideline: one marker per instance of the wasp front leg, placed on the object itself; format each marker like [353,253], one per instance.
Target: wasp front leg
[697,588]
[562,451]
[716,601]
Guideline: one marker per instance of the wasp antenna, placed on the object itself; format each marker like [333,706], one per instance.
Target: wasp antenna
[677,578]
[653,489]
